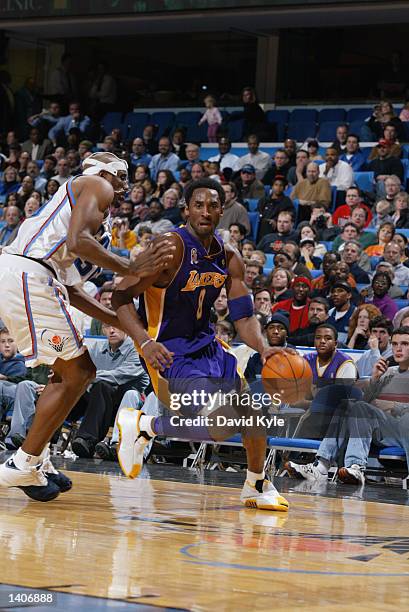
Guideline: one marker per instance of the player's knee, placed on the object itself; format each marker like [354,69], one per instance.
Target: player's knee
[82,374]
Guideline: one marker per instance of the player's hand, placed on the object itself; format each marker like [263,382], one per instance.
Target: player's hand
[380,368]
[272,350]
[157,355]
[155,258]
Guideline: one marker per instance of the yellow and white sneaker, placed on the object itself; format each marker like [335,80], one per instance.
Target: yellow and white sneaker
[263,496]
[132,441]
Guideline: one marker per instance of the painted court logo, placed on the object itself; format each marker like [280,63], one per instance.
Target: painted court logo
[54,340]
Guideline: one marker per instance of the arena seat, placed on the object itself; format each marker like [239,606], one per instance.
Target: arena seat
[235,130]
[110,121]
[269,260]
[133,125]
[196,133]
[374,260]
[164,121]
[254,218]
[301,130]
[403,231]
[327,131]
[278,116]
[316,273]
[327,244]
[358,114]
[252,204]
[332,114]
[364,180]
[304,115]
[401,303]
[355,127]
[187,118]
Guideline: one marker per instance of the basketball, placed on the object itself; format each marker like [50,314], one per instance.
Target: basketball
[288,375]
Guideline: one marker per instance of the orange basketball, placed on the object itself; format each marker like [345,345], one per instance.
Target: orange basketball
[288,375]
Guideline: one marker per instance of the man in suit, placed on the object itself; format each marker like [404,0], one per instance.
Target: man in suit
[36,146]
[12,218]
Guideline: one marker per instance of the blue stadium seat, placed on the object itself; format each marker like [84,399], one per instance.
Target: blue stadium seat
[235,130]
[316,273]
[270,260]
[187,118]
[164,121]
[333,199]
[364,180]
[405,232]
[133,125]
[278,116]
[366,151]
[196,133]
[304,115]
[374,259]
[405,164]
[267,271]
[327,244]
[401,303]
[111,121]
[254,218]
[252,204]
[332,114]
[301,130]
[207,152]
[355,127]
[405,149]
[358,114]
[327,131]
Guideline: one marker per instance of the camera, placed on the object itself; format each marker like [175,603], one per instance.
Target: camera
[321,222]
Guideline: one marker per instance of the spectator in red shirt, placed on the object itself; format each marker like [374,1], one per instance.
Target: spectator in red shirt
[352,200]
[297,306]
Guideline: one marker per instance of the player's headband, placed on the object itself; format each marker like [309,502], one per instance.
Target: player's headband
[94,166]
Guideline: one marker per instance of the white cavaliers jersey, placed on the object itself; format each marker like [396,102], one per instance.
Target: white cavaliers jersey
[43,237]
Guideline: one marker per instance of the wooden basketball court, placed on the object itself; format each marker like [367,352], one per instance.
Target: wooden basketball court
[194,547]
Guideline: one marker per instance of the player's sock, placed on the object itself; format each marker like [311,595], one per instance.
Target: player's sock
[254,477]
[22,460]
[146,424]
[323,465]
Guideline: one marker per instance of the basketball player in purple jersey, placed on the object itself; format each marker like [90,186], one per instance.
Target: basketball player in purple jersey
[173,335]
[40,277]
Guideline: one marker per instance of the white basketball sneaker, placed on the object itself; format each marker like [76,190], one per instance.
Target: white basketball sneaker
[308,471]
[352,475]
[263,496]
[132,441]
[33,481]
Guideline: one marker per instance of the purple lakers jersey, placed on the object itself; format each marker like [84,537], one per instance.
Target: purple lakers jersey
[178,315]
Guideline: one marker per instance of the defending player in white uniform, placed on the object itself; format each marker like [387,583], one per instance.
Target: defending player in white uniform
[39,279]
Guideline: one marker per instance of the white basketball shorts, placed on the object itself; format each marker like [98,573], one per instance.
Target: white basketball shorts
[35,308]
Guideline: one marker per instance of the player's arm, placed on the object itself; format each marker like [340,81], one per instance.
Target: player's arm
[93,198]
[84,302]
[155,353]
[241,307]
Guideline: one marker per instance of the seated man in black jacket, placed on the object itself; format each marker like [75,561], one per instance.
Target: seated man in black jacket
[276,330]
[385,164]
[351,254]
[317,313]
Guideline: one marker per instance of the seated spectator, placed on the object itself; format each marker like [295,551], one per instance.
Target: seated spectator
[307,247]
[237,234]
[384,235]
[390,136]
[164,180]
[148,137]
[296,266]
[164,160]
[225,331]
[35,146]
[118,370]
[270,207]
[262,301]
[354,230]
[298,172]
[105,298]
[226,159]
[13,199]
[261,161]
[402,241]
[280,283]
[395,292]
[178,143]
[248,247]
[259,257]
[328,261]
[154,220]
[285,231]
[276,330]
[220,306]
[51,188]
[12,218]
[381,283]
[26,189]
[12,368]
[10,183]
[74,119]
[137,198]
[30,207]
[379,345]
[63,172]
[307,231]
[46,119]
[281,166]
[321,222]
[359,331]
[184,177]
[404,114]
[144,236]
[351,254]
[74,162]
[327,362]
[383,115]
[352,154]
[48,167]
[252,270]
[337,172]
[400,218]
[382,209]
[311,191]
[341,138]
[392,186]
[233,211]
[392,254]
[139,154]
[385,165]
[343,213]
[297,305]
[313,150]
[122,236]
[317,313]
[33,171]
[248,186]
[170,201]
[192,152]
[380,419]
[290,147]
[197,171]
[341,313]
[85,149]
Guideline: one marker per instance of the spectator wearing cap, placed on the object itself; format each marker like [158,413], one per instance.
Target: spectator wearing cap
[389,135]
[262,162]
[317,313]
[337,172]
[297,306]
[276,330]
[272,205]
[307,247]
[352,154]
[340,314]
[381,283]
[225,158]
[311,191]
[248,186]
[271,243]
[280,166]
[385,164]
[313,151]
[233,211]
[298,172]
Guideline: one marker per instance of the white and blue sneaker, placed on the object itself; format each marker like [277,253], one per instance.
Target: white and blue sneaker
[132,441]
[32,481]
[61,480]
